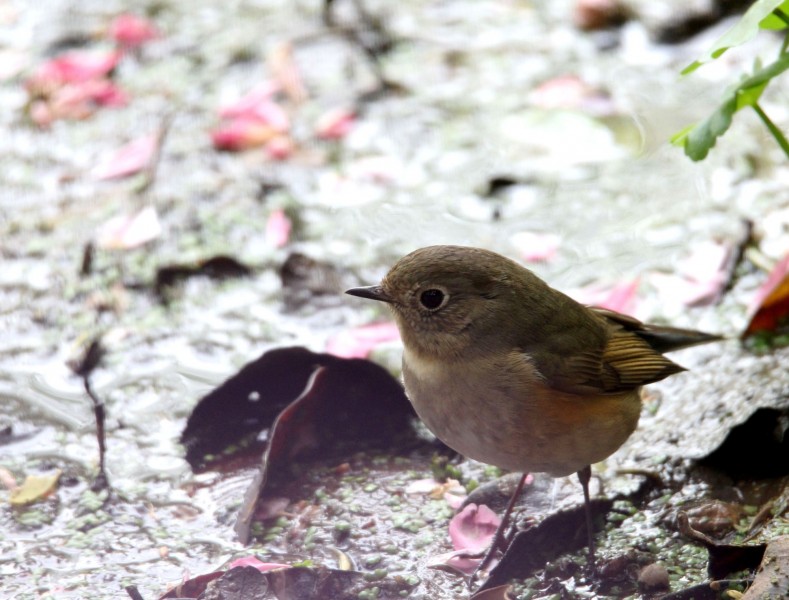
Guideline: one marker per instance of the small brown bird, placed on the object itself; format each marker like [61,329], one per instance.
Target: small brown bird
[510,372]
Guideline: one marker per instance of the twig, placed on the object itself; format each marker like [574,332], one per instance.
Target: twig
[134,594]
[776,133]
[153,163]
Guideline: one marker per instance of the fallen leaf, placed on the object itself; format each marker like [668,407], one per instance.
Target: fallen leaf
[500,592]
[772,578]
[34,488]
[334,415]
[216,267]
[556,534]
[723,558]
[770,305]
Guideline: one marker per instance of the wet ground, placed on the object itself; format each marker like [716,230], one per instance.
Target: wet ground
[601,182]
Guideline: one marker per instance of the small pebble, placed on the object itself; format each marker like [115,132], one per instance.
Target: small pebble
[653,577]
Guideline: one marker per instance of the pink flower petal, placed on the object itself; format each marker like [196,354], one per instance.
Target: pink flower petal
[536,247]
[335,123]
[129,159]
[621,297]
[254,561]
[569,92]
[258,106]
[473,528]
[454,499]
[73,67]
[105,93]
[701,279]
[705,261]
[456,560]
[242,133]
[279,147]
[247,104]
[359,342]
[278,227]
[126,232]
[131,31]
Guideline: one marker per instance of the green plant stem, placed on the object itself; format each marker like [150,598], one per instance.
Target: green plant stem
[779,137]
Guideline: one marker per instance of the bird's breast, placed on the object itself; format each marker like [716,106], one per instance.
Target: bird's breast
[501,412]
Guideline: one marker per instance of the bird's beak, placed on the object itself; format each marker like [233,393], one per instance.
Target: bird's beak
[373,292]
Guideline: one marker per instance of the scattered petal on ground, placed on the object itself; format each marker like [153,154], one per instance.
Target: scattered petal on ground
[622,297]
[248,103]
[473,528]
[471,531]
[335,124]
[254,561]
[536,247]
[572,93]
[72,86]
[280,147]
[73,67]
[360,341]
[131,31]
[278,227]
[129,159]
[129,231]
[242,133]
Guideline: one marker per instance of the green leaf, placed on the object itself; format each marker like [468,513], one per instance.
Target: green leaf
[743,31]
[773,21]
[701,138]
[697,140]
[678,139]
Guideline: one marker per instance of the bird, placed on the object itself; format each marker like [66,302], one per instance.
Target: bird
[508,371]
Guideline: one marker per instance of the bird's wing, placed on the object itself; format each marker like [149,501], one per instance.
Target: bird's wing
[661,338]
[622,360]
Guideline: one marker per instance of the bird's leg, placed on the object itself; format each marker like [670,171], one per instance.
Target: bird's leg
[584,475]
[498,537]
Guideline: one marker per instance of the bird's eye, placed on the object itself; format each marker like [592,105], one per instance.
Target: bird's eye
[431,299]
